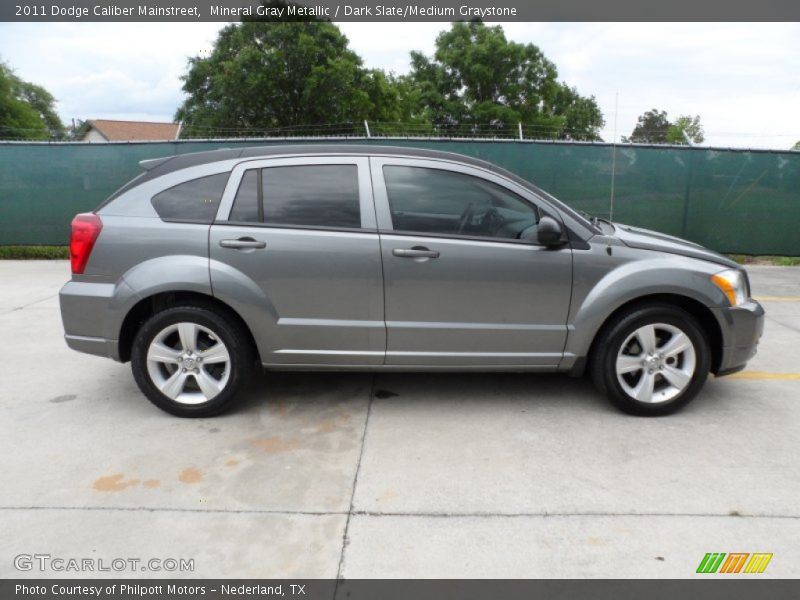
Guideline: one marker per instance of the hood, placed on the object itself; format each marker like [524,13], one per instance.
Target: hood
[653,240]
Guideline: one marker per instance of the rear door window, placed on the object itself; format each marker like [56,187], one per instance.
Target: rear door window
[324,196]
[194,201]
[245,204]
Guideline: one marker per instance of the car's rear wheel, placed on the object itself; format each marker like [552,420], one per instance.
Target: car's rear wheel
[191,361]
[651,361]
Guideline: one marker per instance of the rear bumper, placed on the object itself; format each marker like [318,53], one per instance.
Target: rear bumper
[91,322]
[93,345]
[742,327]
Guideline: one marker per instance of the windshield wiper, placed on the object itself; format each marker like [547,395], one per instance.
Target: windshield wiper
[592,219]
[604,221]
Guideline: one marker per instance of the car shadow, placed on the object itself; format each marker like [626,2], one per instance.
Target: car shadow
[537,391]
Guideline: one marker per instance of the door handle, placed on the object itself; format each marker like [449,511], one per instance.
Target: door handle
[415,252]
[243,243]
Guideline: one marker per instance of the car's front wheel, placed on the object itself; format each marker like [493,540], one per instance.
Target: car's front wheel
[191,361]
[651,361]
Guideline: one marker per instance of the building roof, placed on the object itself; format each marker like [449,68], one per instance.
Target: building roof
[128,131]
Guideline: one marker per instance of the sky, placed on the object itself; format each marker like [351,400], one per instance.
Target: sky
[743,79]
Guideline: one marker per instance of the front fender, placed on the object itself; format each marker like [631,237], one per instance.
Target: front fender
[595,300]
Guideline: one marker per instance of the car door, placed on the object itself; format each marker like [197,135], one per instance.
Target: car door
[295,250]
[461,287]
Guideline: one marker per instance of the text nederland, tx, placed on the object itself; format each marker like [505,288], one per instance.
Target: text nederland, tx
[126,589]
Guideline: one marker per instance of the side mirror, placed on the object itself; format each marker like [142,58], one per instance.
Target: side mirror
[549,232]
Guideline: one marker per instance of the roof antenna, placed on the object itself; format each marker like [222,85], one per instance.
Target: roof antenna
[613,160]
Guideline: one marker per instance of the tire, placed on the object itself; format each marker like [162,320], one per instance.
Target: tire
[627,357]
[192,361]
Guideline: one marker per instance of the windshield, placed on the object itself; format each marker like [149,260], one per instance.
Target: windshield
[582,217]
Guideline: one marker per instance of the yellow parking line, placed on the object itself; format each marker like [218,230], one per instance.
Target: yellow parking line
[778,298]
[763,375]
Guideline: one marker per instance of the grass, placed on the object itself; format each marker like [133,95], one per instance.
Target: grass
[34,252]
[776,261]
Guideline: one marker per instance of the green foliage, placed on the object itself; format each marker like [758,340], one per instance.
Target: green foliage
[796,146]
[654,127]
[34,252]
[266,73]
[651,128]
[477,76]
[76,130]
[26,110]
[685,127]
[777,261]
[582,117]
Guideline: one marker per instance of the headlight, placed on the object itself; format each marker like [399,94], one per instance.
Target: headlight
[732,284]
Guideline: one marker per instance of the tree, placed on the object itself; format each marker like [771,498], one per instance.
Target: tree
[796,146]
[26,110]
[267,73]
[582,117]
[477,77]
[651,128]
[686,128]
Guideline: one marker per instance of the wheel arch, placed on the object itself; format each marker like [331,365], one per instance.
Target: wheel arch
[149,306]
[705,317]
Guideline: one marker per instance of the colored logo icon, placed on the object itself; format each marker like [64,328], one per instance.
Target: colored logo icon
[734,562]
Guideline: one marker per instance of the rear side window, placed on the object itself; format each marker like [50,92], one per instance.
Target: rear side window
[245,205]
[301,196]
[194,201]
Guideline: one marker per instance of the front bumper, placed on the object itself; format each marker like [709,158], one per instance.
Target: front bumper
[742,327]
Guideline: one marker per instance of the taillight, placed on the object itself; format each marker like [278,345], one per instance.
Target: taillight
[85,229]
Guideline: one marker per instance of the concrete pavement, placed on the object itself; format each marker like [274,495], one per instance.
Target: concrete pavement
[392,475]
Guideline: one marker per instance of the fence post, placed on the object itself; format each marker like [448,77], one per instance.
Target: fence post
[613,180]
[366,126]
[686,193]
[519,125]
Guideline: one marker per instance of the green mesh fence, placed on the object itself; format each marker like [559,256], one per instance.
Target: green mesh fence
[729,200]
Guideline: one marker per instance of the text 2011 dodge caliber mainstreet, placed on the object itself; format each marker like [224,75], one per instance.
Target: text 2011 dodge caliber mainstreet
[367,257]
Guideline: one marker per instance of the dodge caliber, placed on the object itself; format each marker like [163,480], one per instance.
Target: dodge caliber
[210,265]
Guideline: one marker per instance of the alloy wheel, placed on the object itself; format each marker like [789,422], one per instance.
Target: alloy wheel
[656,363]
[188,363]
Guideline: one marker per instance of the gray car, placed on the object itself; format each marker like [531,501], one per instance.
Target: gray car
[395,259]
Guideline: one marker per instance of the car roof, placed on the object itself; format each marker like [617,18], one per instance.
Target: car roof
[157,167]
[161,166]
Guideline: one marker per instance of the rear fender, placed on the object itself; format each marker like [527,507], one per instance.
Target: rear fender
[247,298]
